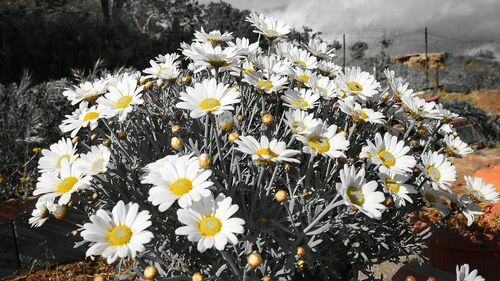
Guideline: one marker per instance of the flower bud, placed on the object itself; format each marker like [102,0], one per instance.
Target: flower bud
[122,135]
[198,277]
[75,140]
[410,278]
[74,233]
[241,118]
[301,252]
[205,161]
[267,119]
[234,136]
[301,264]
[99,278]
[148,85]
[95,195]
[287,167]
[281,196]
[93,137]
[150,272]
[177,143]
[431,278]
[267,278]
[254,260]
[176,129]
[389,201]
[142,80]
[60,212]
[165,118]
[186,79]
[160,83]
[106,142]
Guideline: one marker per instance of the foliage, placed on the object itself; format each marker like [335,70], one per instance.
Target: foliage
[358,50]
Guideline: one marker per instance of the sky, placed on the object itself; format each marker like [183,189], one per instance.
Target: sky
[457,26]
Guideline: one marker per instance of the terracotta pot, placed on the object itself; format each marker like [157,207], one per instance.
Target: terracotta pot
[447,249]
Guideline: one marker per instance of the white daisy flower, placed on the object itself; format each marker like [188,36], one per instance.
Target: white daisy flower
[324,87]
[302,58]
[170,60]
[208,97]
[263,84]
[325,140]
[301,122]
[469,208]
[71,179]
[243,47]
[266,152]
[389,153]
[119,234]
[360,194]
[329,69]
[455,146]
[358,83]
[52,158]
[304,76]
[88,91]
[161,71]
[359,114]
[268,26]
[302,99]
[463,274]
[214,37]
[396,186]
[95,161]
[210,223]
[270,65]
[447,115]
[40,214]
[282,49]
[206,55]
[81,118]
[320,49]
[434,198]
[418,108]
[176,178]
[481,191]
[121,97]
[438,169]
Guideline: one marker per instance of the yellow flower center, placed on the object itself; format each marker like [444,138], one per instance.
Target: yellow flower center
[61,158]
[355,86]
[66,185]
[359,116]
[214,41]
[209,104]
[181,186]
[265,156]
[319,144]
[392,185]
[271,33]
[301,63]
[123,102]
[210,226]
[119,235]
[218,63]
[265,85]
[355,195]
[434,173]
[249,71]
[91,116]
[304,78]
[387,158]
[301,103]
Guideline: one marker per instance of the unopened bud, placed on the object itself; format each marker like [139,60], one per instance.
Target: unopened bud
[198,277]
[268,119]
[176,129]
[177,143]
[150,272]
[205,161]
[281,196]
[234,136]
[148,85]
[254,260]
[301,252]
[75,140]
[122,135]
[106,142]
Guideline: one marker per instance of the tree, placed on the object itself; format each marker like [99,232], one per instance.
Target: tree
[358,50]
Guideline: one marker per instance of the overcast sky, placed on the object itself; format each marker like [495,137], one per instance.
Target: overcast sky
[475,23]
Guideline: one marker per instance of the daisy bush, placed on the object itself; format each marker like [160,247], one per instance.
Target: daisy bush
[242,160]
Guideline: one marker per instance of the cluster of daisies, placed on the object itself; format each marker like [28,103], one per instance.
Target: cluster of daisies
[289,105]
